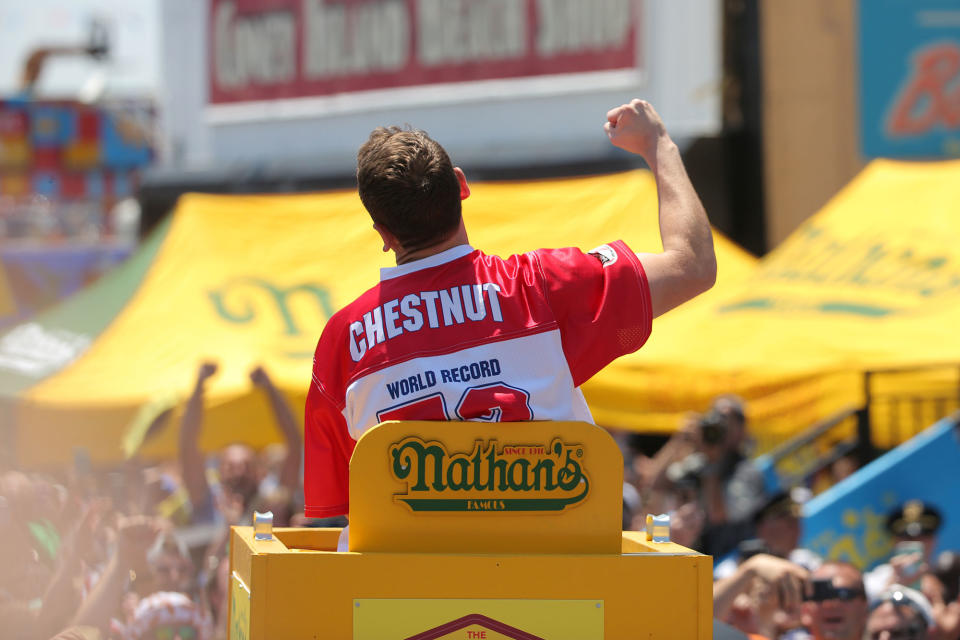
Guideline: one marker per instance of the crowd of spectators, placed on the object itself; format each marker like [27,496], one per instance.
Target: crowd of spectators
[765,584]
[141,551]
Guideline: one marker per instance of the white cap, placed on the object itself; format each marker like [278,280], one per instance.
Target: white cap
[901,595]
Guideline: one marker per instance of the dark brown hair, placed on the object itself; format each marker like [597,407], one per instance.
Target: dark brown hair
[407,184]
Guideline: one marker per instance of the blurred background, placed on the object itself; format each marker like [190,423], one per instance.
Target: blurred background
[178,220]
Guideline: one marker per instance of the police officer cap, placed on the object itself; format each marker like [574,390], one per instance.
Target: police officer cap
[912,519]
[780,504]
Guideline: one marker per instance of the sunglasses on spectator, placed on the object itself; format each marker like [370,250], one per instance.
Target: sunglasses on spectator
[829,592]
[167,632]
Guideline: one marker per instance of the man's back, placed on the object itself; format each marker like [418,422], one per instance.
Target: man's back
[452,334]
[466,336]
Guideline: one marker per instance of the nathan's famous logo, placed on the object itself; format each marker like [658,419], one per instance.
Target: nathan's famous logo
[872,275]
[299,310]
[512,477]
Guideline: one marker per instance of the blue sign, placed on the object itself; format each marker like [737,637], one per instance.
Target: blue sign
[847,522]
[910,78]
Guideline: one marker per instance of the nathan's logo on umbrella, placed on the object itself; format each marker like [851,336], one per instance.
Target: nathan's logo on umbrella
[491,477]
[298,311]
[875,275]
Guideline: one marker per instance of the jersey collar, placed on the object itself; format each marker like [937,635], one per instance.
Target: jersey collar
[386,273]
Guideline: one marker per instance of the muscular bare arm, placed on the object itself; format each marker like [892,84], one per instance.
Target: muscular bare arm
[687,266]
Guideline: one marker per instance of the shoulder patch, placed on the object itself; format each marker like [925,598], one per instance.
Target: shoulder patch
[605,254]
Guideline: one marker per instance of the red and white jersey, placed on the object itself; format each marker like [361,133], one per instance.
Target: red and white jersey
[466,336]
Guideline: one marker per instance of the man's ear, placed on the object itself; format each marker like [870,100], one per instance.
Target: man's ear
[390,242]
[462,179]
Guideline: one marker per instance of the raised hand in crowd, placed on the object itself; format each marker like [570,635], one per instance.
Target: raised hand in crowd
[684,442]
[239,474]
[134,536]
[759,577]
[231,508]
[686,524]
[908,568]
[289,474]
[192,466]
[259,377]
[60,601]
[947,618]
[207,370]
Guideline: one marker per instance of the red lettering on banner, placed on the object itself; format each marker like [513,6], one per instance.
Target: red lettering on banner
[277,49]
[477,634]
[932,93]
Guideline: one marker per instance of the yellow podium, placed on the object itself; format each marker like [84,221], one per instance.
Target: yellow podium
[473,531]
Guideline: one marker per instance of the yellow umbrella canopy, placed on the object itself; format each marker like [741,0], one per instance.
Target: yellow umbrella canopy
[870,282]
[246,280]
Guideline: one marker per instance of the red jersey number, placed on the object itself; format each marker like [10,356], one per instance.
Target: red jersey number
[497,402]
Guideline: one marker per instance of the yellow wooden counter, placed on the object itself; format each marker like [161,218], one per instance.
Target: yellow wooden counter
[541,558]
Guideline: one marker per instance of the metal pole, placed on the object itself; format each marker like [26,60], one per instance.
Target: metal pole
[864,436]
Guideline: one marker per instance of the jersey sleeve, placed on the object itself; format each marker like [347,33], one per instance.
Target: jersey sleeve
[327,451]
[601,300]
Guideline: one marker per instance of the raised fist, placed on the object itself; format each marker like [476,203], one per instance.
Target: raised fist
[259,377]
[207,370]
[635,127]
[135,535]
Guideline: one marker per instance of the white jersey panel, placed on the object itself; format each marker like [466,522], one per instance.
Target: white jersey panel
[524,378]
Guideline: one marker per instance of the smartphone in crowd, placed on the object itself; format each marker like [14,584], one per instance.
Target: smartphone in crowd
[911,548]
